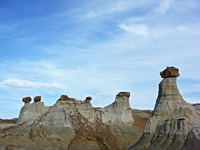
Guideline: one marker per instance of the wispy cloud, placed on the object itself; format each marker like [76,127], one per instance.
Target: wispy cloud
[118,6]
[164,6]
[140,29]
[13,82]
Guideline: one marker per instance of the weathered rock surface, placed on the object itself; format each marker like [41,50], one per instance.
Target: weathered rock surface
[170,72]
[175,124]
[30,112]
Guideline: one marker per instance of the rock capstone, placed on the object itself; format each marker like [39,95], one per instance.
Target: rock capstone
[170,72]
[37,98]
[88,99]
[64,97]
[26,99]
[127,94]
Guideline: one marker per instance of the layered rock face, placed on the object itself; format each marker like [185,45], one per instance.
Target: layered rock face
[7,123]
[174,123]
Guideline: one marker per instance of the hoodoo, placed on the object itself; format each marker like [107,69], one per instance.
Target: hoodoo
[175,123]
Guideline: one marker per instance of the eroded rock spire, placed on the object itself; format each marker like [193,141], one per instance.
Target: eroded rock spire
[174,121]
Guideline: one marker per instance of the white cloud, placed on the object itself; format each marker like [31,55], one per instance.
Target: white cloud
[139,29]
[164,6]
[13,82]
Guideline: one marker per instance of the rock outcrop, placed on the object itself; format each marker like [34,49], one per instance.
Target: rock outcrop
[173,123]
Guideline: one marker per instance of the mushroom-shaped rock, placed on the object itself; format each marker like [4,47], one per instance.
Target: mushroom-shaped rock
[127,94]
[26,99]
[88,99]
[170,72]
[37,98]
[64,97]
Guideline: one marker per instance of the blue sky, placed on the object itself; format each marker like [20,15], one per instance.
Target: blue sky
[96,48]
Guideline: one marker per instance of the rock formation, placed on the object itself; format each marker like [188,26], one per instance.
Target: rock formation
[174,123]
[72,124]
[59,115]
[26,99]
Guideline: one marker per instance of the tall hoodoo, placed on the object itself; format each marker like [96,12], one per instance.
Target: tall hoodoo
[173,118]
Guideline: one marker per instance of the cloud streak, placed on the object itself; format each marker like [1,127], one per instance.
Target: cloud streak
[17,83]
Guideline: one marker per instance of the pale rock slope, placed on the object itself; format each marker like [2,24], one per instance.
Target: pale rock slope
[30,112]
[60,114]
[175,124]
[72,124]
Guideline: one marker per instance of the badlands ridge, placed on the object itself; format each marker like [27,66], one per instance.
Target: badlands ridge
[72,124]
